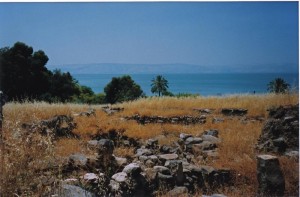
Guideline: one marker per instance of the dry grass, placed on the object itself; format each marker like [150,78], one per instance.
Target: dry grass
[125,152]
[21,156]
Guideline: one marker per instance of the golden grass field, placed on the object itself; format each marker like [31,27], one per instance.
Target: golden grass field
[23,160]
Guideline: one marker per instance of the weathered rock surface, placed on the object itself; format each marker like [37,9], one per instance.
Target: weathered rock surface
[234,112]
[174,119]
[57,126]
[154,167]
[76,161]
[270,177]
[74,191]
[281,131]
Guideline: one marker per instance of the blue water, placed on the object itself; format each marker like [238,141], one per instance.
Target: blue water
[203,84]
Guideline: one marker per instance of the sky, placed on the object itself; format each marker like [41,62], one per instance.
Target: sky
[201,33]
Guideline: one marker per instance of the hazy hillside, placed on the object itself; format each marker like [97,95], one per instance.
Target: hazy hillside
[112,68]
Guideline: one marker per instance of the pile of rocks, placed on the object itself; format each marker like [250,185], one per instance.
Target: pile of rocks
[57,126]
[234,112]
[174,120]
[153,168]
[111,110]
[280,133]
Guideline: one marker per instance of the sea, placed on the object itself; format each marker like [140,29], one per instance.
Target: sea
[211,84]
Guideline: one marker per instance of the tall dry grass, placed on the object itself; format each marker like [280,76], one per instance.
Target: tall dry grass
[23,154]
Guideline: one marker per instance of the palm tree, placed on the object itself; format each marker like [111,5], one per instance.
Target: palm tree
[278,85]
[159,85]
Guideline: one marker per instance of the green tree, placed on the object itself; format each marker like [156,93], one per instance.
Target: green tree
[23,72]
[278,85]
[63,87]
[122,89]
[159,85]
[87,95]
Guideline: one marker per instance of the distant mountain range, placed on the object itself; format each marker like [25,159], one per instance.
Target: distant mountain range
[112,68]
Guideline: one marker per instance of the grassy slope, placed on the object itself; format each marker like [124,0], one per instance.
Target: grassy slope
[22,160]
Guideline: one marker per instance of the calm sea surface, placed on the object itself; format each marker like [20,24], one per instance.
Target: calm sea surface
[203,84]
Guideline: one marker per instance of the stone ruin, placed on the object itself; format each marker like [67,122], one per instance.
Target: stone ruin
[153,168]
[174,120]
[280,133]
[57,126]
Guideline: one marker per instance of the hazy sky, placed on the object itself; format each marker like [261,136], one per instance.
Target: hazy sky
[217,34]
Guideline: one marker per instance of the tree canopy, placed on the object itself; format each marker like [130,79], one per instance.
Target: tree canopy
[24,76]
[278,85]
[122,89]
[160,85]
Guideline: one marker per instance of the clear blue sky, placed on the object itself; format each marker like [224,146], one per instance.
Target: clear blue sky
[216,34]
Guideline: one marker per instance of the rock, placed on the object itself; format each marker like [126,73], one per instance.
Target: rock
[106,143]
[212,132]
[199,148]
[234,112]
[211,139]
[165,181]
[150,174]
[171,164]
[152,143]
[293,154]
[149,163]
[77,161]
[57,126]
[74,191]
[269,176]
[114,186]
[279,145]
[178,191]
[215,195]
[165,149]
[174,119]
[153,158]
[143,151]
[93,144]
[211,154]
[121,161]
[143,158]
[132,169]
[162,169]
[184,136]
[217,120]
[120,177]
[281,130]
[90,177]
[180,178]
[193,140]
[165,157]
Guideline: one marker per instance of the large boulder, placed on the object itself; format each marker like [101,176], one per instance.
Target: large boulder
[269,175]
